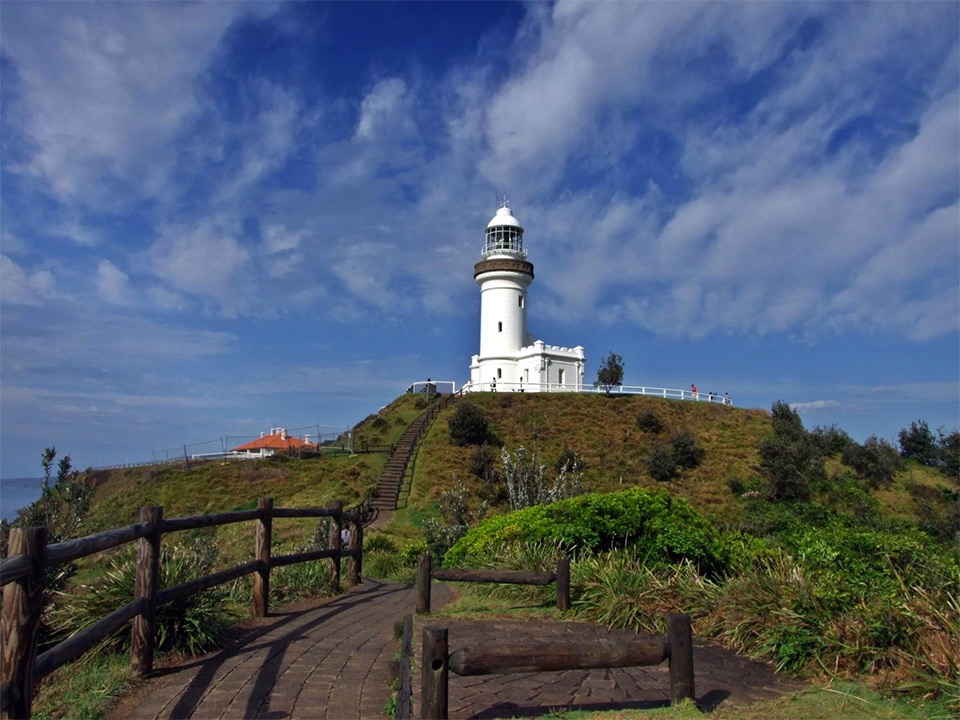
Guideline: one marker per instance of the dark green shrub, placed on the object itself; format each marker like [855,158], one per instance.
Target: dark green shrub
[830,440]
[483,462]
[656,525]
[876,461]
[649,421]
[791,461]
[686,452]
[378,542]
[948,446]
[380,423]
[917,442]
[661,464]
[467,425]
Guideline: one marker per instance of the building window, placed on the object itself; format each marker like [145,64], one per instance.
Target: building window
[526,374]
[499,327]
[560,376]
[499,373]
[521,301]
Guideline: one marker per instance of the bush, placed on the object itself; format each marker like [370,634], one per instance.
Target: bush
[686,452]
[791,461]
[190,626]
[656,525]
[527,484]
[876,461]
[917,442]
[831,440]
[649,422]
[467,425]
[661,464]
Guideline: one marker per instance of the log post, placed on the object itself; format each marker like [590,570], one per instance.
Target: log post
[22,609]
[336,527]
[144,627]
[680,641]
[563,583]
[434,676]
[424,563]
[261,578]
[356,538]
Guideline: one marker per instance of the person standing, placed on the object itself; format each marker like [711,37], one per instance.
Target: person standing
[693,391]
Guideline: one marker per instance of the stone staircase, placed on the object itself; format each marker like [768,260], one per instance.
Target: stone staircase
[395,471]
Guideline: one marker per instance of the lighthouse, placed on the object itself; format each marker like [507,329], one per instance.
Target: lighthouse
[509,358]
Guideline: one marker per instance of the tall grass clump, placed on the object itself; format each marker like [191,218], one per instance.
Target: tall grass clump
[190,626]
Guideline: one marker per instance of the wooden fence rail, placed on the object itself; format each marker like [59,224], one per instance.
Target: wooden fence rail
[426,573]
[505,657]
[29,557]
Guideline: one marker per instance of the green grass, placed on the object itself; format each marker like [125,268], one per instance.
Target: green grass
[831,701]
[85,690]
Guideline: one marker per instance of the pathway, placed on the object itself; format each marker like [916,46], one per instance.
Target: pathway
[334,661]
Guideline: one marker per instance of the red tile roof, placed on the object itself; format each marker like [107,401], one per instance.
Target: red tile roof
[277,441]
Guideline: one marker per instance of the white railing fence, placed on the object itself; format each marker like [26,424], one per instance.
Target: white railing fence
[669,393]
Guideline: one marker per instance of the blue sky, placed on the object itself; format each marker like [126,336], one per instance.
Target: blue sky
[220,218]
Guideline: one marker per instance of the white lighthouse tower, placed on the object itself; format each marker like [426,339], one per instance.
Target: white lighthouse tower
[509,359]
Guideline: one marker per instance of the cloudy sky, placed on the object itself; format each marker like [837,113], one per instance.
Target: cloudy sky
[220,218]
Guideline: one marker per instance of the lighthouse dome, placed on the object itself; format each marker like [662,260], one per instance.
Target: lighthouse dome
[504,236]
[504,218]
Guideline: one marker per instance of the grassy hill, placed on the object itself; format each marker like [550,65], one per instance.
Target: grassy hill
[605,432]
[805,598]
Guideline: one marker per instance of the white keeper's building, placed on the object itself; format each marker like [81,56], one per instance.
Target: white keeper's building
[510,359]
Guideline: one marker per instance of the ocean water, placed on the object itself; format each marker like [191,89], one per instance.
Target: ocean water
[16,493]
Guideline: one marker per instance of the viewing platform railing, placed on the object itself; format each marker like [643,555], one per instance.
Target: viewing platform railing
[669,393]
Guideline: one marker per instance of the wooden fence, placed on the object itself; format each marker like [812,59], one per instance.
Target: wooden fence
[503,656]
[29,557]
[426,573]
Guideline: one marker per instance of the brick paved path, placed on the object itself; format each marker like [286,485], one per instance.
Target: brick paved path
[334,661]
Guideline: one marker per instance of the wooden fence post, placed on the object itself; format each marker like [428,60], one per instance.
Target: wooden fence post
[563,583]
[261,578]
[423,584]
[356,540]
[22,608]
[434,676]
[335,543]
[143,632]
[680,642]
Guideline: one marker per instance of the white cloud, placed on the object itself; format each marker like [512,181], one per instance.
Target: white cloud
[20,287]
[384,110]
[105,87]
[113,284]
[816,405]
[205,261]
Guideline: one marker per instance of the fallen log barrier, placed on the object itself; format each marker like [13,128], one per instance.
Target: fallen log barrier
[426,573]
[505,657]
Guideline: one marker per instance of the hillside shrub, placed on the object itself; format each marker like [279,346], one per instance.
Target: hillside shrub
[876,461]
[661,464]
[657,526]
[467,424]
[456,518]
[649,422]
[686,452]
[527,482]
[830,440]
[918,443]
[791,460]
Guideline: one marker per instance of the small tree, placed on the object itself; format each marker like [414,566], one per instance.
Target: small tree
[686,452]
[918,442]
[467,425]
[661,463]
[610,374]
